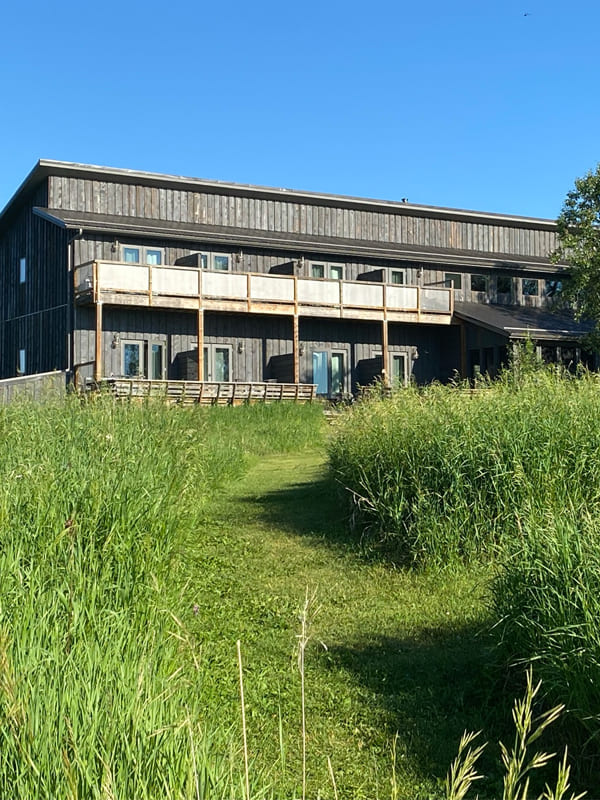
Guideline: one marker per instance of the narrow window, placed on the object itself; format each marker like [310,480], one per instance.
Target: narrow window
[317,270]
[22,270]
[204,260]
[453,280]
[530,287]
[337,373]
[22,362]
[479,283]
[156,361]
[319,360]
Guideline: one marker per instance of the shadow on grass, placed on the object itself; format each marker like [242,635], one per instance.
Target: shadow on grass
[430,689]
[314,508]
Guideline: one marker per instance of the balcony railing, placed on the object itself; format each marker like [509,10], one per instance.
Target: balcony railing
[192,288]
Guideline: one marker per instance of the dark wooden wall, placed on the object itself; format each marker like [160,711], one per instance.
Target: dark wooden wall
[33,315]
[289,216]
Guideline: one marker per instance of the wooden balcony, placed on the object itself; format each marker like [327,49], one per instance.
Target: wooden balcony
[205,393]
[188,288]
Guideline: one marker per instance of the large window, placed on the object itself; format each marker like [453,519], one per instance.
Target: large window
[139,254]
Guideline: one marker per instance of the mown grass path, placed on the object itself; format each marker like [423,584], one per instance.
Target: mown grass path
[394,655]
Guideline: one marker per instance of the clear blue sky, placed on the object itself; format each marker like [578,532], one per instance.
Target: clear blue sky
[469,104]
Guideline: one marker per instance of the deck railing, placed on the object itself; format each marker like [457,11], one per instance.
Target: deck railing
[189,287]
[209,393]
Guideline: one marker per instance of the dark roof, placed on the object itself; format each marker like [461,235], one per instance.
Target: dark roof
[518,322]
[248,237]
[46,167]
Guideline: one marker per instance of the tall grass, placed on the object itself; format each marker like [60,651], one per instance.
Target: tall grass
[446,472]
[97,697]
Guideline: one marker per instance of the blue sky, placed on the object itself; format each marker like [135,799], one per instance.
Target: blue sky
[489,106]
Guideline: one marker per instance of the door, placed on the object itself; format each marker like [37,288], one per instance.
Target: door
[217,362]
[399,371]
[156,361]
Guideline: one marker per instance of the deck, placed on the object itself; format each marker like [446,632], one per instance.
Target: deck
[206,393]
[190,288]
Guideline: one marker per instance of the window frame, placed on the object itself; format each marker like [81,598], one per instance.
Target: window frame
[395,271]
[143,250]
[484,278]
[534,283]
[22,270]
[22,361]
[450,281]
[327,267]
[207,260]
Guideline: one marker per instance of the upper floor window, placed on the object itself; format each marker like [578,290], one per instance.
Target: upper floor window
[530,287]
[553,288]
[217,261]
[138,254]
[324,269]
[504,284]
[22,270]
[453,280]
[396,276]
[479,283]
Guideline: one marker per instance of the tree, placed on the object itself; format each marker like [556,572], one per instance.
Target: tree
[579,246]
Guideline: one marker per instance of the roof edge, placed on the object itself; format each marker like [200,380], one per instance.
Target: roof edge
[47,167]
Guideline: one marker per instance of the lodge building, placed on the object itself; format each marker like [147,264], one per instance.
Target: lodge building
[114,273]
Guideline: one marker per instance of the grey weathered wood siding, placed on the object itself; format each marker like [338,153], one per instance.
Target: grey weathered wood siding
[33,314]
[398,225]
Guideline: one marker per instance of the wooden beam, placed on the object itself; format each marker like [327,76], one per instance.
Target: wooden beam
[384,352]
[463,350]
[98,359]
[200,343]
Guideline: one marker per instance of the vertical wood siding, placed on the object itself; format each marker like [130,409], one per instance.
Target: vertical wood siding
[289,216]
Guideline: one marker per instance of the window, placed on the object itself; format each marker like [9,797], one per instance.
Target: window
[453,280]
[137,254]
[552,288]
[215,261]
[323,269]
[397,276]
[504,284]
[22,366]
[337,373]
[132,359]
[156,361]
[22,270]
[530,287]
[479,283]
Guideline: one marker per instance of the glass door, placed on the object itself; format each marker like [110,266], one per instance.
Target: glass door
[156,362]
[320,376]
[217,363]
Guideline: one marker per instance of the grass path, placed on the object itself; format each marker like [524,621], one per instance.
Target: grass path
[393,655]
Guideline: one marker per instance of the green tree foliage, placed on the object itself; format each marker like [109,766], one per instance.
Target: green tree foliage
[579,245]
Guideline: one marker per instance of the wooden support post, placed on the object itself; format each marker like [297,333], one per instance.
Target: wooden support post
[98,360]
[296,349]
[200,343]
[463,350]
[384,352]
